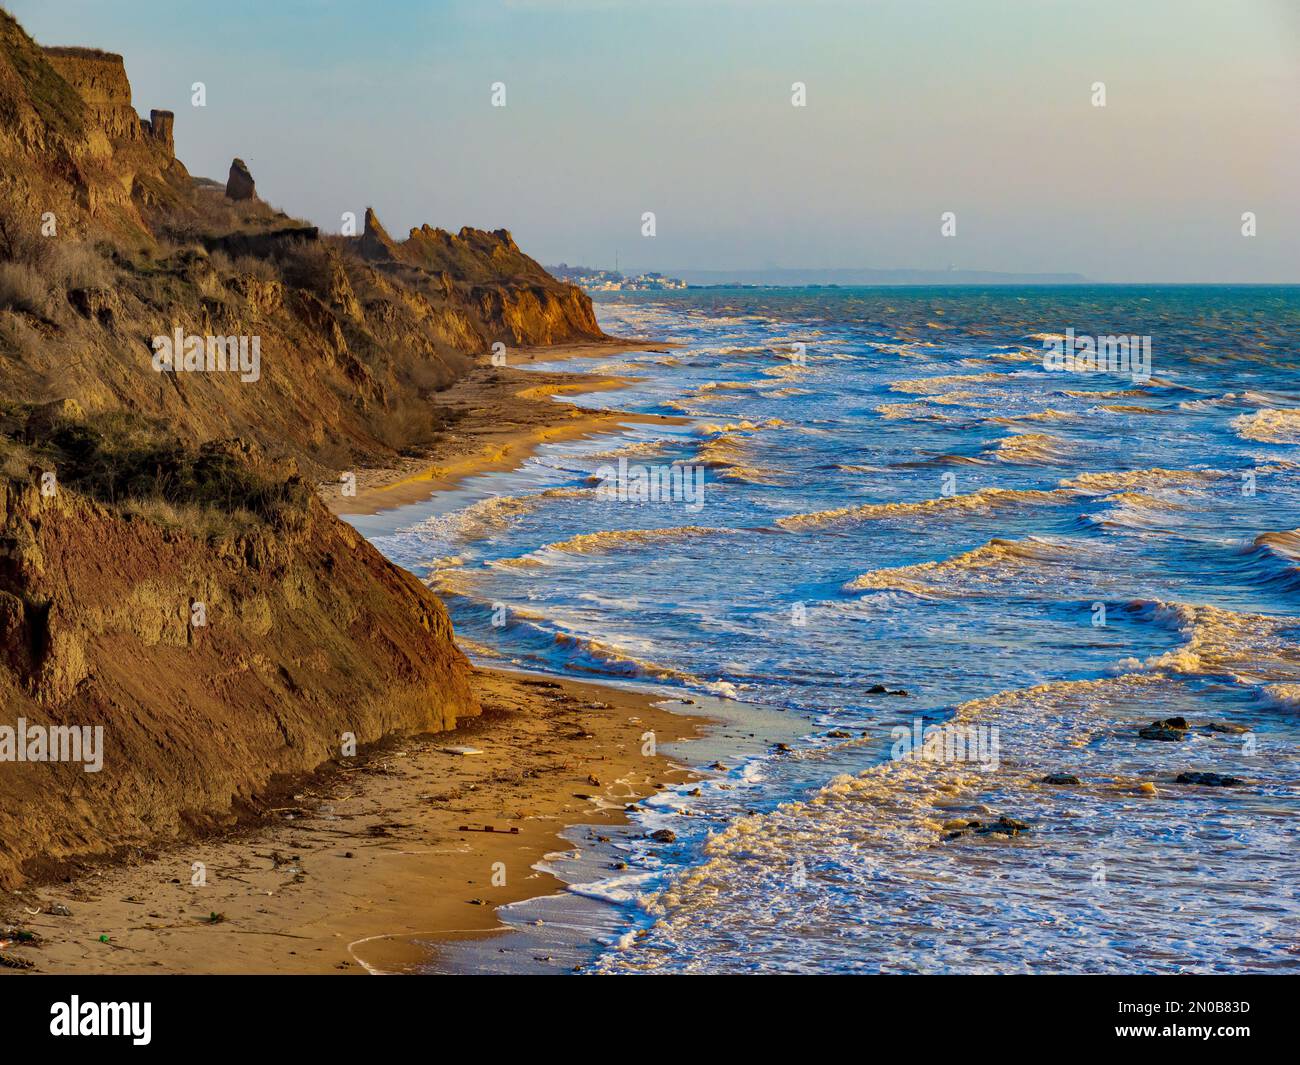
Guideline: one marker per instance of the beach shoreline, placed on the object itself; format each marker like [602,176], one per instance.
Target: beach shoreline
[505,414]
[368,866]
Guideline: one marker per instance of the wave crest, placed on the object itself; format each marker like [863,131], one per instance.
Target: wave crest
[610,540]
[1269,426]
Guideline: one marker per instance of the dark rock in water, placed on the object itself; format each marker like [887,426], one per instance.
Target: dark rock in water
[1006,826]
[880,689]
[1165,730]
[664,835]
[838,734]
[1003,826]
[784,748]
[1059,778]
[1160,730]
[1209,780]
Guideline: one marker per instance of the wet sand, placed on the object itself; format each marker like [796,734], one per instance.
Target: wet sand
[363,862]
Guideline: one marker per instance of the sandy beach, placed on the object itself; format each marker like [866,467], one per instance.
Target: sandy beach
[504,415]
[356,868]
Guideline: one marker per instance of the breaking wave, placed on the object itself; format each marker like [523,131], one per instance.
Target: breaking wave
[1031,449]
[1269,426]
[1252,650]
[927,385]
[610,540]
[985,501]
[994,561]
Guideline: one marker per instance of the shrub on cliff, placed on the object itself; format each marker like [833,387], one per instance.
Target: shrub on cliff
[123,460]
[306,264]
[22,289]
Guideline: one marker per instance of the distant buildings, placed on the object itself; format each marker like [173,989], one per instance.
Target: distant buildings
[592,280]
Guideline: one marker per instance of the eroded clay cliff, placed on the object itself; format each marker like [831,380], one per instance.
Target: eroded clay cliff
[132,494]
[213,666]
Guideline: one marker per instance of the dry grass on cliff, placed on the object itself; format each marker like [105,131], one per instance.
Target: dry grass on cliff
[18,341]
[16,460]
[259,269]
[205,212]
[82,52]
[22,288]
[306,264]
[54,99]
[39,283]
[206,523]
[77,264]
[37,272]
[214,489]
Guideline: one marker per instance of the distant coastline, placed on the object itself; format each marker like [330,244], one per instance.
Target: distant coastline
[592,279]
[793,277]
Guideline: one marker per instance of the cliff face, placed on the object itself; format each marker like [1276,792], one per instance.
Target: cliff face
[176,486]
[307,633]
[71,142]
[488,277]
[99,78]
[354,334]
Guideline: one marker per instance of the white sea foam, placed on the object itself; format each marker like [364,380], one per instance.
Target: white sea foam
[1269,426]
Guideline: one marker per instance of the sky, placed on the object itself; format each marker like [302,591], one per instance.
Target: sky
[683,108]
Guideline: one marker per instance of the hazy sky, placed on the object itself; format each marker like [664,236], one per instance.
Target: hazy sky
[683,107]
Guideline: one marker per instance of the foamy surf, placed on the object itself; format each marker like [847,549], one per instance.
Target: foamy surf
[1269,426]
[1031,449]
[984,500]
[610,540]
[986,546]
[974,570]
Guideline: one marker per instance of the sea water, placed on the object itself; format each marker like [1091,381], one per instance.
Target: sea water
[917,525]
